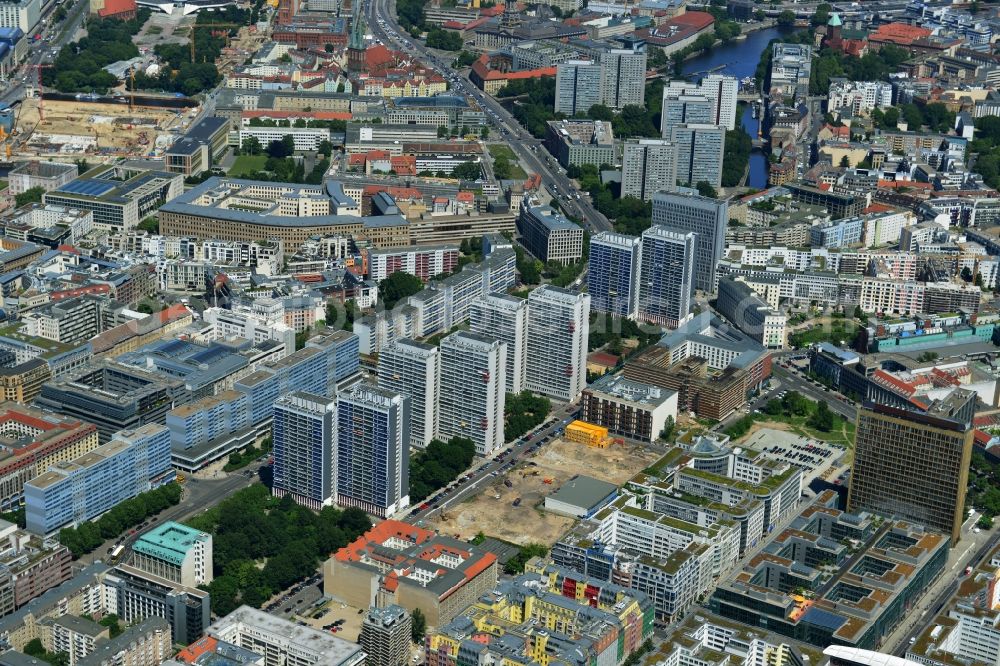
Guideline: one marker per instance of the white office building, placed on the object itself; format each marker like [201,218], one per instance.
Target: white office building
[283,642]
[623,77]
[24,14]
[413,368]
[243,323]
[578,86]
[722,90]
[473,390]
[558,326]
[666,276]
[505,318]
[305,138]
[648,166]
[701,150]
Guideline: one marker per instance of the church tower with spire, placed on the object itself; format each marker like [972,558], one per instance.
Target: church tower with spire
[356,43]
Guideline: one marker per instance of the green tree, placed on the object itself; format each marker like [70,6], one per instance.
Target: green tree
[467,171]
[484,133]
[601,112]
[705,189]
[442,131]
[284,147]
[786,19]
[329,48]
[822,417]
[515,565]
[398,286]
[251,146]
[845,161]
[667,434]
[418,625]
[31,195]
[822,14]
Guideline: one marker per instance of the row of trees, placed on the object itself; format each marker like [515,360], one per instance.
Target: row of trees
[251,527]
[446,40]
[537,103]
[438,465]
[630,215]
[522,412]
[89,536]
[984,488]
[737,156]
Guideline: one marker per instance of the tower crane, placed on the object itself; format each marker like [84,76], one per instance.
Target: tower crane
[38,84]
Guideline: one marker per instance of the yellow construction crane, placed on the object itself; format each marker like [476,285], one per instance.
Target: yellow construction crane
[5,141]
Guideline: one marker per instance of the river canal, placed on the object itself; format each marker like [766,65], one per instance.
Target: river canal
[739,59]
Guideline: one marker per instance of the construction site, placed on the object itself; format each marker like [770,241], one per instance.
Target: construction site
[78,129]
[119,125]
[510,507]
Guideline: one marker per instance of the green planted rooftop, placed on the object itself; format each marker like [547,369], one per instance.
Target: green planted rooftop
[169,542]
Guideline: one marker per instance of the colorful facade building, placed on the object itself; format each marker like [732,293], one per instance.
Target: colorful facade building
[550,616]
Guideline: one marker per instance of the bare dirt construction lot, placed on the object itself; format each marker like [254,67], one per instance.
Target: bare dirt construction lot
[559,461]
[76,129]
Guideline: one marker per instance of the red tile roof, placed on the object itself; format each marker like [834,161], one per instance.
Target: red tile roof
[204,645]
[696,20]
[114,7]
[379,57]
[482,69]
[899,33]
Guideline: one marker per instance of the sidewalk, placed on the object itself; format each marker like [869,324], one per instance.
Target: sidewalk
[953,571]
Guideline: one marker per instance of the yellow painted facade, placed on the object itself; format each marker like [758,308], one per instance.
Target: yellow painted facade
[588,433]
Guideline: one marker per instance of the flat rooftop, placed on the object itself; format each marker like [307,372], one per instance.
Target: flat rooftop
[169,542]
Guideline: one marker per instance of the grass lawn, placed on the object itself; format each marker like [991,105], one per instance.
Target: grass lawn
[841,434]
[154,30]
[3,185]
[836,333]
[501,150]
[247,164]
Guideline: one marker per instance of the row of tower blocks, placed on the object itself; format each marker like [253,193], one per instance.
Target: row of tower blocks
[352,449]
[694,119]
[651,278]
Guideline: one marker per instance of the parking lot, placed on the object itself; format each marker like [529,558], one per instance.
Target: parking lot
[815,457]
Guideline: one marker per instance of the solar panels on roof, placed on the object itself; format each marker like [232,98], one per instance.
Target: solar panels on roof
[822,618]
[91,188]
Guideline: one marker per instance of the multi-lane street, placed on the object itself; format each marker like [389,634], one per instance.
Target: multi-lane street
[381,17]
[472,483]
[198,495]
